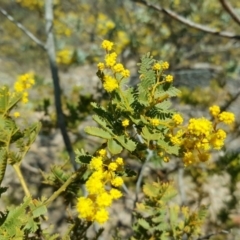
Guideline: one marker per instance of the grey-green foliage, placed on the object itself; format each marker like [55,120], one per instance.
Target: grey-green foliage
[17,222]
[14,142]
[157,218]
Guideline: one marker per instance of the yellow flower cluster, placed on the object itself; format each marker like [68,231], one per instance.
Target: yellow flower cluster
[23,83]
[201,135]
[64,57]
[94,206]
[104,24]
[112,69]
[161,66]
[123,41]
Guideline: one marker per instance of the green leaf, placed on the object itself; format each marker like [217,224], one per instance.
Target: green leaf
[82,156]
[39,211]
[31,225]
[146,134]
[142,222]
[168,148]
[4,98]
[114,147]
[3,163]
[126,142]
[98,132]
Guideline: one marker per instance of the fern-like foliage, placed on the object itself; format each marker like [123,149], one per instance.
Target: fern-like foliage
[149,99]
[157,218]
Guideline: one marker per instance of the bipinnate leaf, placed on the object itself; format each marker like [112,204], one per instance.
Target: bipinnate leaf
[98,132]
[14,221]
[114,147]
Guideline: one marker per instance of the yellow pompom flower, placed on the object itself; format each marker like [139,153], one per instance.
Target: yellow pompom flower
[16,114]
[169,78]
[104,199]
[115,194]
[107,45]
[226,117]
[165,65]
[110,59]
[101,66]
[125,122]
[119,161]
[175,140]
[85,208]
[96,163]
[102,152]
[125,73]
[157,66]
[110,84]
[155,121]
[214,110]
[101,216]
[25,97]
[112,166]
[118,68]
[177,118]
[217,139]
[94,185]
[117,182]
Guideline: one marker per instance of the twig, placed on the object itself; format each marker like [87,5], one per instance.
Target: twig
[188,22]
[20,26]
[228,7]
[181,185]
[21,179]
[140,176]
[65,185]
[56,81]
[229,102]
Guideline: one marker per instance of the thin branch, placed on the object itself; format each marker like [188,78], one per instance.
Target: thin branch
[228,7]
[20,26]
[181,185]
[56,80]
[229,102]
[21,179]
[190,23]
[140,176]
[63,188]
